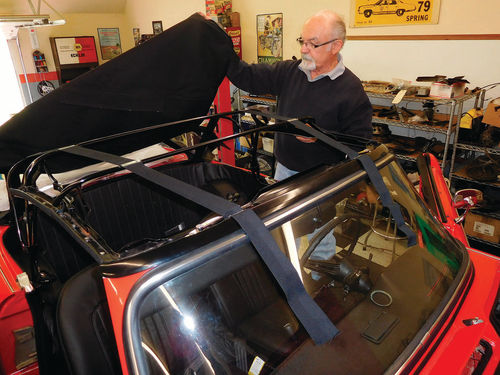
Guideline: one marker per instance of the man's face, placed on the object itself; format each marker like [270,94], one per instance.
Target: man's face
[315,31]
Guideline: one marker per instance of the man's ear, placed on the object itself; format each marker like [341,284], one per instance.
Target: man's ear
[337,46]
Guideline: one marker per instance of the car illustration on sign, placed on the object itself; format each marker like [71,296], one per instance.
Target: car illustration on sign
[382,7]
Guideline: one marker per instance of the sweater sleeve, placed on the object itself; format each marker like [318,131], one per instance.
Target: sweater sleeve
[257,78]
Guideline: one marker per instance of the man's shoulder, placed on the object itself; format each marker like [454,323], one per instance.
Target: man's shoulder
[348,75]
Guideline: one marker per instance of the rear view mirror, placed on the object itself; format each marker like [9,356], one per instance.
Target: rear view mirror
[465,199]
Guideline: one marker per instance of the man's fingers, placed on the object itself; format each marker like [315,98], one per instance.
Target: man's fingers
[306,139]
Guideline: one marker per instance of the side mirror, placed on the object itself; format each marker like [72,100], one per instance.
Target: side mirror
[465,199]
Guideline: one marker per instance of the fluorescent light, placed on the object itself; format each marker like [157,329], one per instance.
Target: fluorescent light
[23,17]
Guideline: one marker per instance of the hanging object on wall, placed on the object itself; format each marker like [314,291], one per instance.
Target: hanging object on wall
[40,62]
[137,35]
[45,87]
[157,27]
[366,13]
[269,37]
[34,39]
[220,11]
[109,40]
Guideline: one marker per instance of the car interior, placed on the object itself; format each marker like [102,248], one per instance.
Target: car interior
[129,215]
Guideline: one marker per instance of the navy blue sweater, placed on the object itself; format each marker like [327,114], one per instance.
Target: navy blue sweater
[340,105]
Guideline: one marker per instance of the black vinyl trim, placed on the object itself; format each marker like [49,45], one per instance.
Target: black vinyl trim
[483,362]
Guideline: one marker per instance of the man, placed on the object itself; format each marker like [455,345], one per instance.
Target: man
[317,86]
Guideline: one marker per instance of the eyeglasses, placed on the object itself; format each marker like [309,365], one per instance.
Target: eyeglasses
[302,42]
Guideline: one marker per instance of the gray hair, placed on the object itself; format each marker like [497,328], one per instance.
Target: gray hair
[335,22]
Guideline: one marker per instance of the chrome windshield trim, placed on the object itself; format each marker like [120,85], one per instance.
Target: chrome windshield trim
[484,254]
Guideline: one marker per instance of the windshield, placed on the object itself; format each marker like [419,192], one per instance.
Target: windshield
[228,316]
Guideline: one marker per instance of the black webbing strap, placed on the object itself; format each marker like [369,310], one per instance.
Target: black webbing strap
[317,324]
[372,171]
[385,197]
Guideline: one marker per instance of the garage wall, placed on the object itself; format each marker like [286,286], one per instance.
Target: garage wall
[83,24]
[478,60]
[141,13]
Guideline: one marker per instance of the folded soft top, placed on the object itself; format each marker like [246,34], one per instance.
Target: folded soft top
[173,76]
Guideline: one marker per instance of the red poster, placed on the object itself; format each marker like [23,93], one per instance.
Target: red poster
[87,52]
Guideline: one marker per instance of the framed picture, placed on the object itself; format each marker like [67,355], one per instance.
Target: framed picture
[137,35]
[269,37]
[109,40]
[157,27]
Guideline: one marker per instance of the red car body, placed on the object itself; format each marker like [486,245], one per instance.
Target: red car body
[455,344]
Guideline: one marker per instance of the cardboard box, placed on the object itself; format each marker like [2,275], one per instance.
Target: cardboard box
[244,142]
[492,114]
[444,91]
[483,227]
[235,19]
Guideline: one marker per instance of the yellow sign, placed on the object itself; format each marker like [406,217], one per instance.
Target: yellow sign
[394,12]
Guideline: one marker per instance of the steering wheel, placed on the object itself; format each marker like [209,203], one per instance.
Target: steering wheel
[340,269]
[330,226]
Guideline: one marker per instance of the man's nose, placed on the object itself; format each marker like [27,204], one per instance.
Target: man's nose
[304,48]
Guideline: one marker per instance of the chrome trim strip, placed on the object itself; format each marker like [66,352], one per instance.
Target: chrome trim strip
[483,253]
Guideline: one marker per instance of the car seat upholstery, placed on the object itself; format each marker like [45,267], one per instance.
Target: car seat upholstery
[84,326]
[62,254]
[126,209]
[251,305]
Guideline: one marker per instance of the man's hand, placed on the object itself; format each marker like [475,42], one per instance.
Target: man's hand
[204,16]
[306,139]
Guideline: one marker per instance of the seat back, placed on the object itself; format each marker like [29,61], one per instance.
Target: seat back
[84,326]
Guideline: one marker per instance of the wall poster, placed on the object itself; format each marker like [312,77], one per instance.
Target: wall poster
[75,50]
[394,12]
[109,40]
[269,37]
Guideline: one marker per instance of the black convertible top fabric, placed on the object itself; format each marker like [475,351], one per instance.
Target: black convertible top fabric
[171,77]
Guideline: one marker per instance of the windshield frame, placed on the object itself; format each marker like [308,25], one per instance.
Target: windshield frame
[167,271]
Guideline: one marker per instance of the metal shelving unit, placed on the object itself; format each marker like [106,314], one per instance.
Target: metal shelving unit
[258,100]
[265,158]
[453,118]
[464,146]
